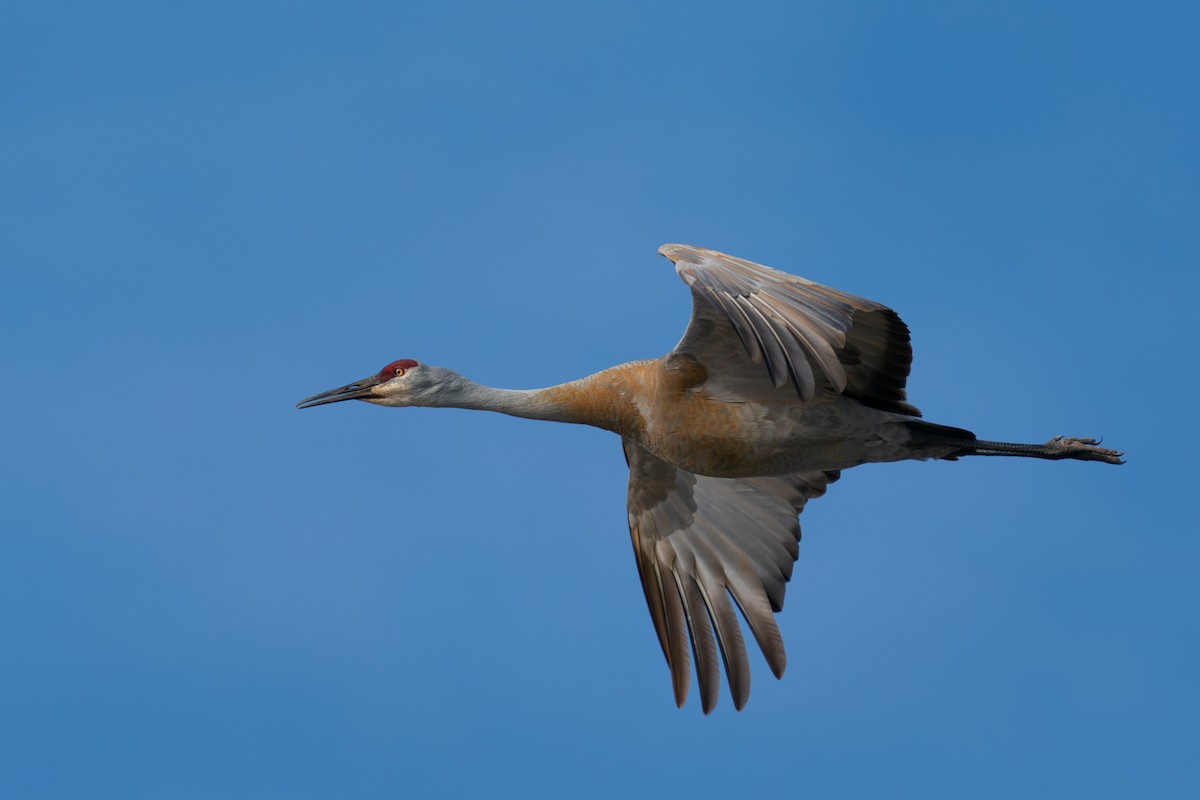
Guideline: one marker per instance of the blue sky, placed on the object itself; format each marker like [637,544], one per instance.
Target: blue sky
[214,210]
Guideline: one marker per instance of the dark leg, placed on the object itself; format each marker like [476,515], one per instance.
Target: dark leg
[1082,449]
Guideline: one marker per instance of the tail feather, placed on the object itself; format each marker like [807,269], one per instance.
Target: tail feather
[930,434]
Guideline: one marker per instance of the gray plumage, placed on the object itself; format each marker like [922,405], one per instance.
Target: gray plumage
[777,385]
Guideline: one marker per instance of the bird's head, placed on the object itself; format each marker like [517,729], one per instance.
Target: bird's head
[401,383]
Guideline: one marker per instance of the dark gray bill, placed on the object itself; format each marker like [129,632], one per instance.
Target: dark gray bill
[351,391]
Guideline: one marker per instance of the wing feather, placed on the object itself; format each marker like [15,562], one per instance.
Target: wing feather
[676,627]
[743,327]
[779,362]
[706,544]
[704,647]
[724,620]
[749,319]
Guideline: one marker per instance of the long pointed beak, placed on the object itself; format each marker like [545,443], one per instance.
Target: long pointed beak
[351,391]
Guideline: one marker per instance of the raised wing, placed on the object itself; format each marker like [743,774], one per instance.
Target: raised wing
[756,330]
[700,541]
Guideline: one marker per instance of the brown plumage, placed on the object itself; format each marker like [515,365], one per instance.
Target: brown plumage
[777,385]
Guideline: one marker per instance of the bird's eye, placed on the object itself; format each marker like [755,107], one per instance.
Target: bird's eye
[399,371]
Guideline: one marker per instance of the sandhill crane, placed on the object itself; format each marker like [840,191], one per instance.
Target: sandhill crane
[778,384]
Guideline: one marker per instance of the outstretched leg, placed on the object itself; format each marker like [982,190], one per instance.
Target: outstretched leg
[931,440]
[1082,449]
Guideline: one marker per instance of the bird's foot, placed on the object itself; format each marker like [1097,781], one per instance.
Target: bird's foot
[1083,449]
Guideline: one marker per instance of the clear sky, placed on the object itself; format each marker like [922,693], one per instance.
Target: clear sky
[210,211]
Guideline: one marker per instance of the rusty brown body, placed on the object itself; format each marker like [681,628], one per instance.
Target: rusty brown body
[663,405]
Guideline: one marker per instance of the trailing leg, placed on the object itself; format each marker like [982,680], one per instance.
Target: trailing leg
[955,442]
[1081,449]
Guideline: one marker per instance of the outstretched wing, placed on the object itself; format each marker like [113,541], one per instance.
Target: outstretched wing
[700,541]
[756,330]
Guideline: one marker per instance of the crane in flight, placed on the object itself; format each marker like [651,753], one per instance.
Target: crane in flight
[777,385]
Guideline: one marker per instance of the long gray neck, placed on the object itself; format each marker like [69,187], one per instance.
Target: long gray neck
[456,391]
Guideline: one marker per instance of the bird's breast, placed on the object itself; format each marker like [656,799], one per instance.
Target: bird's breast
[694,432]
